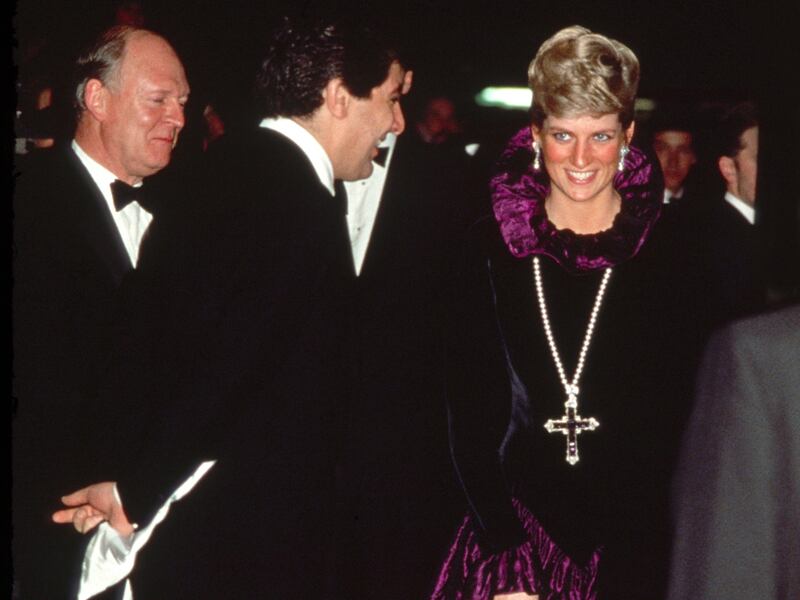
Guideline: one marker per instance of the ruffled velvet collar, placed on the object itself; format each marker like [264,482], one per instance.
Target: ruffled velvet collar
[518,195]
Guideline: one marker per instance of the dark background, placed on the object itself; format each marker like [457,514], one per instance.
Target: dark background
[688,48]
[695,52]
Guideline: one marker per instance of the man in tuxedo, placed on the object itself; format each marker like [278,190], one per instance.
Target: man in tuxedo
[247,321]
[737,492]
[75,239]
[673,145]
[730,246]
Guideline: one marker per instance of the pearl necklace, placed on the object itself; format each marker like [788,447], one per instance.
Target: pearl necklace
[571,424]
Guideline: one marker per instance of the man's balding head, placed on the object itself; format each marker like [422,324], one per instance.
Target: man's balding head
[130,93]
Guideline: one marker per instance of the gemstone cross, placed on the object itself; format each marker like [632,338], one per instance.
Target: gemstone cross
[571,424]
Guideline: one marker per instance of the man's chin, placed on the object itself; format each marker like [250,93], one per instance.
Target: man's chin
[365,172]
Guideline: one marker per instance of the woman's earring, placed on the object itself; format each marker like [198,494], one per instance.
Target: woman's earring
[622,152]
[537,156]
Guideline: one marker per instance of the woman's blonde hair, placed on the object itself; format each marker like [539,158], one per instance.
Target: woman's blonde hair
[577,72]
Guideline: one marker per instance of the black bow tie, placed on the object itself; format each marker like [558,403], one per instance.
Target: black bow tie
[381,158]
[124,194]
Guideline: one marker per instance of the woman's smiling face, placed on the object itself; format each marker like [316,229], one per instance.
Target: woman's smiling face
[581,155]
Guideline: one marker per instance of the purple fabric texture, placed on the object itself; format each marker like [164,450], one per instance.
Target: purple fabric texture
[518,194]
[538,566]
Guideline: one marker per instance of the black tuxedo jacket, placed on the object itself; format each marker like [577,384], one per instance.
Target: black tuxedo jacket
[239,314]
[68,264]
[402,502]
[731,257]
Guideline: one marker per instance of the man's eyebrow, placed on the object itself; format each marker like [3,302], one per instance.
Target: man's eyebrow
[155,88]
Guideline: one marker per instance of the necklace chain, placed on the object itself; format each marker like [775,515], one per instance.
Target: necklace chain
[571,387]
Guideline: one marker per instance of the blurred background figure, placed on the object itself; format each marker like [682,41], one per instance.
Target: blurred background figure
[438,121]
[728,230]
[672,141]
[41,116]
[129,13]
[215,126]
[737,493]
[738,158]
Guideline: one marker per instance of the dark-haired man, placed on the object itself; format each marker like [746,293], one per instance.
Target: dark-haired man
[75,241]
[247,313]
[730,233]
[675,152]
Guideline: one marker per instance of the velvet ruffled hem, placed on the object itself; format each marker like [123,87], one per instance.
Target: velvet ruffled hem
[538,566]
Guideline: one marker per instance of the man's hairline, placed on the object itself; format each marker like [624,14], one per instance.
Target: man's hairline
[115,75]
[399,89]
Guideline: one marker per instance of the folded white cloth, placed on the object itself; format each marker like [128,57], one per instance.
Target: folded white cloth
[110,557]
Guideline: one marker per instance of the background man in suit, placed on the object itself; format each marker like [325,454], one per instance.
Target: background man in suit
[248,324]
[75,239]
[673,145]
[729,231]
[737,493]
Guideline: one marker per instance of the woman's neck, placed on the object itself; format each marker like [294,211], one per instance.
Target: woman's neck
[585,218]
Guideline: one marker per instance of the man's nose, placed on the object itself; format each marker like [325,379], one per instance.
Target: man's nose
[399,120]
[175,114]
[672,159]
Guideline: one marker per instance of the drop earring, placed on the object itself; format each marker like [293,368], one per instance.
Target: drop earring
[622,153]
[537,156]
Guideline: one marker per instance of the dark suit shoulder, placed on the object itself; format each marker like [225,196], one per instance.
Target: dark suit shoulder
[778,330]
[49,179]
[258,171]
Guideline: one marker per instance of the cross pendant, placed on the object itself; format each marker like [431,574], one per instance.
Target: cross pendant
[571,424]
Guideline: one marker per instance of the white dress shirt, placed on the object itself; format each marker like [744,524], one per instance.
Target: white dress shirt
[131,221]
[363,200]
[668,195]
[746,210]
[363,196]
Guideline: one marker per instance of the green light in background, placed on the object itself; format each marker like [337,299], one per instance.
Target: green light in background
[513,98]
[519,98]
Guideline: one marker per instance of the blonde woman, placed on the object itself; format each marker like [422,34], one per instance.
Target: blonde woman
[574,341]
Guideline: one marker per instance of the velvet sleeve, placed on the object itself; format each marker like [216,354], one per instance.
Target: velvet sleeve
[479,397]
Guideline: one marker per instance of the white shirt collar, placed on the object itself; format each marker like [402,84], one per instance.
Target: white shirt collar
[747,211]
[363,201]
[308,144]
[389,141]
[132,221]
[101,176]
[668,195]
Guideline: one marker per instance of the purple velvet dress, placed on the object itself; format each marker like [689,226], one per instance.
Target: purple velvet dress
[600,528]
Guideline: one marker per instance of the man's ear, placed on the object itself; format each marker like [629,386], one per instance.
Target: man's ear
[95,97]
[408,79]
[727,168]
[336,98]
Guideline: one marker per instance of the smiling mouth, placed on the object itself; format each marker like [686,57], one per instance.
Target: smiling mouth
[581,176]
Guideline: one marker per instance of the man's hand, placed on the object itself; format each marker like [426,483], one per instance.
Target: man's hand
[91,506]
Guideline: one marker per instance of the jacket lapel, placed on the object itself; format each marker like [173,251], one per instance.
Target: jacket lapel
[95,223]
